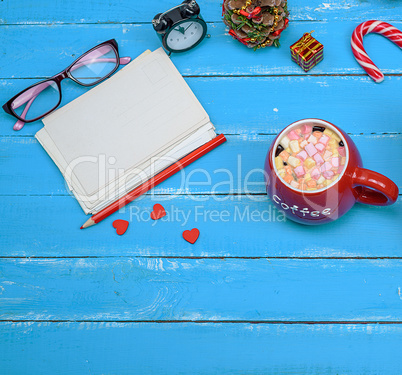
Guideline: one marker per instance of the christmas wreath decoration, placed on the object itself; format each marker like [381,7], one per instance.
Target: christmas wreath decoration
[256,23]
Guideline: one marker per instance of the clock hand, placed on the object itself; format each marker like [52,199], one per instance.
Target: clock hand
[188,26]
[181,29]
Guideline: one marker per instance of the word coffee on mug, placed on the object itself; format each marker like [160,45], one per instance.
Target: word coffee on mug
[314,174]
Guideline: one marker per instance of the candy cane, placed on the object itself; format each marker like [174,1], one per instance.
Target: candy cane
[379,27]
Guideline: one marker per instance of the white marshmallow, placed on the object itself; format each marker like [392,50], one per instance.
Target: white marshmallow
[294,162]
[294,146]
[284,142]
[312,139]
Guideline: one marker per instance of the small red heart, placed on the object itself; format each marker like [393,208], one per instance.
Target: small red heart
[158,212]
[191,235]
[121,226]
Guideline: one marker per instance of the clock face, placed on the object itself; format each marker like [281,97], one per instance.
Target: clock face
[185,35]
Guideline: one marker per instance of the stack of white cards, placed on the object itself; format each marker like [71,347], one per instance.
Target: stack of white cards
[125,130]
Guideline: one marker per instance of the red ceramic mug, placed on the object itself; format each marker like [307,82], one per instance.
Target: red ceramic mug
[322,205]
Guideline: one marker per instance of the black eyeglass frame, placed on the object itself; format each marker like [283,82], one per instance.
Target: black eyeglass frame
[60,77]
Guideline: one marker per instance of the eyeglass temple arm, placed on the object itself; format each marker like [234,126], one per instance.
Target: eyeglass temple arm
[29,100]
[125,60]
[20,124]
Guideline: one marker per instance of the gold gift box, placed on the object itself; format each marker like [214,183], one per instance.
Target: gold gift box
[307,52]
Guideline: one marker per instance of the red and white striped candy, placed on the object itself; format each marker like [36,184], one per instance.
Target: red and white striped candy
[379,27]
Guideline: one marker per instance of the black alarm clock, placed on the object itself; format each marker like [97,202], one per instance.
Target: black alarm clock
[180,28]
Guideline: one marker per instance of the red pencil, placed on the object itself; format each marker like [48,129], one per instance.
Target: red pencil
[157,179]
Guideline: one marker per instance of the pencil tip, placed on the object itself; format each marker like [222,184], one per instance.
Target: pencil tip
[88,223]
[82,227]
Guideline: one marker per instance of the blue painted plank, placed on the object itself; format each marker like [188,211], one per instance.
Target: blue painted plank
[222,98]
[234,167]
[171,349]
[53,48]
[229,226]
[143,289]
[126,11]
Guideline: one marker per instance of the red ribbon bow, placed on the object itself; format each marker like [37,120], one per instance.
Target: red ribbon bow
[234,35]
[253,14]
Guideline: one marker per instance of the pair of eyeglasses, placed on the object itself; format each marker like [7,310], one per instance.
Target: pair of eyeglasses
[38,100]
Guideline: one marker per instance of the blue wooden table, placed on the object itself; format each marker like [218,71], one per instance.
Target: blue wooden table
[254,294]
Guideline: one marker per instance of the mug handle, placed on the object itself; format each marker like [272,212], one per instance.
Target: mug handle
[374,188]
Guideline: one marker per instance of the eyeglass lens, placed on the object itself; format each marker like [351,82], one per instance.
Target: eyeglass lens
[37,101]
[95,65]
